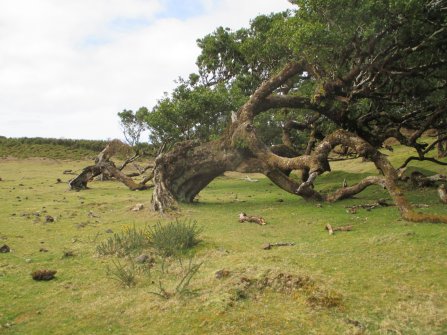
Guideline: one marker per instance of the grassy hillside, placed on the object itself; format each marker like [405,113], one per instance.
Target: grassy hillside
[386,276]
[50,148]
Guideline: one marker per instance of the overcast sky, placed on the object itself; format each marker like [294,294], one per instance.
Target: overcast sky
[67,67]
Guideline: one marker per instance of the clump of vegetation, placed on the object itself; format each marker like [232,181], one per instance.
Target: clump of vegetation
[324,298]
[123,273]
[181,285]
[174,238]
[129,241]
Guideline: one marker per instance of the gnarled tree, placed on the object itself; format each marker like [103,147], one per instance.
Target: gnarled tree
[369,69]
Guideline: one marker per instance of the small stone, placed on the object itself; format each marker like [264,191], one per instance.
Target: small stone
[43,274]
[58,181]
[138,207]
[109,231]
[266,246]
[28,260]
[92,215]
[5,249]
[49,218]
[222,274]
[43,250]
[68,253]
[144,259]
[280,200]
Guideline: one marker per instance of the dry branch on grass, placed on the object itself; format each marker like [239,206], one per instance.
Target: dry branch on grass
[269,246]
[105,167]
[331,229]
[368,207]
[255,219]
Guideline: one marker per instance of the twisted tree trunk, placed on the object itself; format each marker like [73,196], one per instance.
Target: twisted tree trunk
[182,173]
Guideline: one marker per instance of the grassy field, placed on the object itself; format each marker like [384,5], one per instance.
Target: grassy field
[387,276]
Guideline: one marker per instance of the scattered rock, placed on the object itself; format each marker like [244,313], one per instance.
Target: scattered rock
[138,207]
[43,250]
[67,171]
[68,253]
[49,218]
[109,231]
[351,210]
[144,259]
[92,215]
[222,274]
[280,200]
[28,260]
[5,249]
[58,181]
[43,274]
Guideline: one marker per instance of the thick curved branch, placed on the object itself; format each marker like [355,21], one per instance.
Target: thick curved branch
[253,106]
[414,158]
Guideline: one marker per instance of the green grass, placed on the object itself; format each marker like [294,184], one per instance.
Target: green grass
[391,275]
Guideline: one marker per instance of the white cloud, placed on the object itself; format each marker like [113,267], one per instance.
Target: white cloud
[68,67]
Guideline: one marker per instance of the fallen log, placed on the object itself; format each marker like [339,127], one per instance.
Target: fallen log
[268,246]
[331,229]
[247,218]
[368,207]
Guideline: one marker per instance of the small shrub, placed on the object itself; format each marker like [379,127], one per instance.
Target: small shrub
[322,298]
[174,238]
[125,274]
[129,241]
[181,288]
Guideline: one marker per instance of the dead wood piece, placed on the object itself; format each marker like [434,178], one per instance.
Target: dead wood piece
[380,203]
[268,246]
[247,178]
[331,229]
[68,172]
[442,192]
[43,274]
[137,207]
[247,218]
[418,179]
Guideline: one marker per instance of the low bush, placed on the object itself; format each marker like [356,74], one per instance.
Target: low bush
[129,241]
[174,238]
